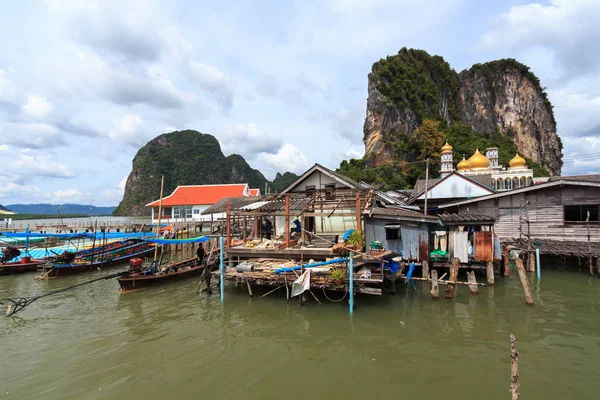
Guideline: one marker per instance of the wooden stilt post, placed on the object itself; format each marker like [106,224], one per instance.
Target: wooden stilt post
[531,262]
[245,228]
[358,221]
[514,368]
[287,221]
[505,260]
[489,270]
[393,286]
[351,280]
[435,288]
[221,270]
[249,288]
[472,282]
[425,265]
[451,286]
[524,282]
[228,225]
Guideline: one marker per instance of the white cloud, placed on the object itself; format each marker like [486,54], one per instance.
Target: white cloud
[568,29]
[36,107]
[70,195]
[127,130]
[4,147]
[288,158]
[31,163]
[122,184]
[31,135]
[218,84]
[248,140]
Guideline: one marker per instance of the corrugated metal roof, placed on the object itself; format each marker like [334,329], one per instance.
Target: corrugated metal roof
[468,217]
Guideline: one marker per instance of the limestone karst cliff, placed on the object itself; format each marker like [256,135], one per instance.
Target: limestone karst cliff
[497,99]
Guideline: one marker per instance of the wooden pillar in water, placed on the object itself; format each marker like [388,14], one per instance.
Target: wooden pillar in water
[472,282]
[435,288]
[531,261]
[425,265]
[451,286]
[489,270]
[514,368]
[505,260]
[524,282]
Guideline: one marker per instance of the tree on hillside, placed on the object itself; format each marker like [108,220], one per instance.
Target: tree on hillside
[430,139]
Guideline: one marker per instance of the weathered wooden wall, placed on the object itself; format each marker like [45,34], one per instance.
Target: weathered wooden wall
[412,235]
[545,212]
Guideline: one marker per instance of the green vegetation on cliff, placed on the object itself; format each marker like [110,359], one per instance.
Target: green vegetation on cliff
[184,158]
[427,143]
[415,80]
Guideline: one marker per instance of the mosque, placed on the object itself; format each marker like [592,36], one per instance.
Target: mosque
[517,175]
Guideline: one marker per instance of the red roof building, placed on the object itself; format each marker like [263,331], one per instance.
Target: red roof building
[188,202]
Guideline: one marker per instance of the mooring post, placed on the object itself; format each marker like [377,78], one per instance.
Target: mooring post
[505,260]
[489,271]
[351,279]
[221,269]
[537,262]
[524,282]
[451,286]
[472,282]
[435,289]
[514,368]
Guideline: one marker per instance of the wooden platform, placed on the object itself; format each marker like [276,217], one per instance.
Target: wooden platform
[316,253]
[265,276]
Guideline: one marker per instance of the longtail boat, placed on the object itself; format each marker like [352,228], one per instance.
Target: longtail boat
[26,264]
[139,279]
[133,249]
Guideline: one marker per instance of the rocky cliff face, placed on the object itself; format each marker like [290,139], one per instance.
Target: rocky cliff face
[184,158]
[497,98]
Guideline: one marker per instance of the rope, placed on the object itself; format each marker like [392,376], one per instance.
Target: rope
[330,299]
[18,305]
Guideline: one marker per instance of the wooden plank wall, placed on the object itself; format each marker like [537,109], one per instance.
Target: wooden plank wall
[546,213]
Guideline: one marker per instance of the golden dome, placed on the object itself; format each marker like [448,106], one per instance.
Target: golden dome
[517,162]
[446,148]
[464,165]
[478,160]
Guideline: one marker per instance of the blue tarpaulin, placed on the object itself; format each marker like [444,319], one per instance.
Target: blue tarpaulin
[80,235]
[318,264]
[199,239]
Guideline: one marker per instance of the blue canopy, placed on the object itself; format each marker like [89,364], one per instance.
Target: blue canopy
[199,239]
[80,235]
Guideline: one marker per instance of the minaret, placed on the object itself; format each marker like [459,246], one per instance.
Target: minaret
[446,160]
[492,155]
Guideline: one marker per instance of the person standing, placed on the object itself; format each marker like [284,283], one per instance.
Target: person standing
[200,253]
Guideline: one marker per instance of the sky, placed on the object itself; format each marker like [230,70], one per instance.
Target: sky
[85,84]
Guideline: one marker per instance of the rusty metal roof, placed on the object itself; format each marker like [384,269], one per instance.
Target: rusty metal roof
[467,218]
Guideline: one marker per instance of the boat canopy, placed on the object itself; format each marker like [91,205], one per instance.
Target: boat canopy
[79,235]
[199,239]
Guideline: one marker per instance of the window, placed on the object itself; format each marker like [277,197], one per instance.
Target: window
[329,189]
[579,213]
[196,211]
[176,212]
[182,212]
[310,188]
[392,232]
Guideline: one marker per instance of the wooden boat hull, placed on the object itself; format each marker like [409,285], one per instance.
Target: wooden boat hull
[19,268]
[139,281]
[60,269]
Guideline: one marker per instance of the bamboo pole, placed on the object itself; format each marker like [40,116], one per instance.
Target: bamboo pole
[287,221]
[221,270]
[228,226]
[514,368]
[472,282]
[524,282]
[162,183]
[351,279]
[489,270]
[452,280]
[435,288]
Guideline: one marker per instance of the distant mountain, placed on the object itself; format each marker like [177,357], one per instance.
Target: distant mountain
[4,210]
[282,181]
[64,209]
[184,158]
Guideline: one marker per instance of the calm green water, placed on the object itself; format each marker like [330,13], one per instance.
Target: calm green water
[167,342]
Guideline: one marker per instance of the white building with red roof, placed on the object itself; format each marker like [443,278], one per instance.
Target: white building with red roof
[186,203]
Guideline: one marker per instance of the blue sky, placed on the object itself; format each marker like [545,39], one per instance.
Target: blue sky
[83,85]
